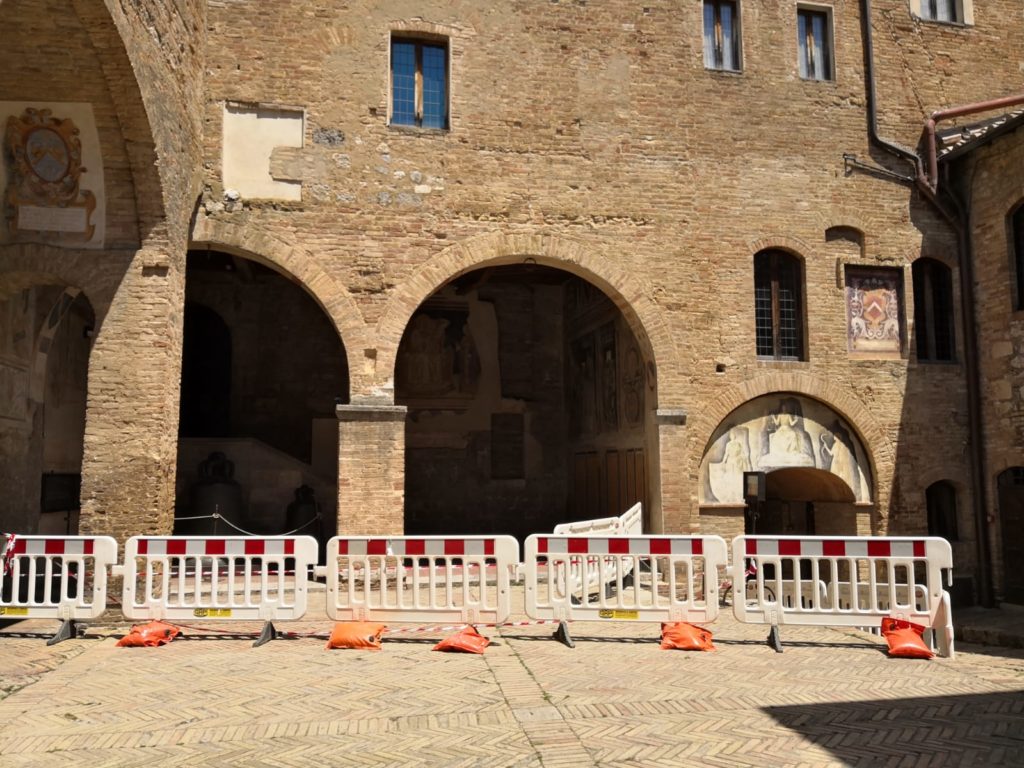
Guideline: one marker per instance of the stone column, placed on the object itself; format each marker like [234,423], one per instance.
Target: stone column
[371,469]
[677,515]
[131,422]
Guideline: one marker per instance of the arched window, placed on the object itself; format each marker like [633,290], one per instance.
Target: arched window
[1017,256]
[933,310]
[940,499]
[778,306]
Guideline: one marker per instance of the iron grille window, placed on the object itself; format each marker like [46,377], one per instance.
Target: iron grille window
[940,10]
[419,83]
[721,35]
[814,43]
[940,499]
[1018,257]
[933,310]
[778,306]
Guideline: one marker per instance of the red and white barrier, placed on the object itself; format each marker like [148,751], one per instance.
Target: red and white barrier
[235,578]
[631,578]
[56,577]
[420,578]
[838,581]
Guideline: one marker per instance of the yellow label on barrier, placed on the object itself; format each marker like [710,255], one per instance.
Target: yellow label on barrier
[212,613]
[13,611]
[619,614]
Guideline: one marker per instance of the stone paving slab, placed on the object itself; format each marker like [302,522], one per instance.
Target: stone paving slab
[832,698]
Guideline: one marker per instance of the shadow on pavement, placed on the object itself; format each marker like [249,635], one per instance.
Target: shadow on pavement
[966,730]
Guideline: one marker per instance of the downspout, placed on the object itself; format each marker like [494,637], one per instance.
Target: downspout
[957,218]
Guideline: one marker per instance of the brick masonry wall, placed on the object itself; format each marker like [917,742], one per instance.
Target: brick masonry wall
[598,125]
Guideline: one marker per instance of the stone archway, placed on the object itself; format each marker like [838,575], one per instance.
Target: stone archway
[819,473]
[528,396]
[589,261]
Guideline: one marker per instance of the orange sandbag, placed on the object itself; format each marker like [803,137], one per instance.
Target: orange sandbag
[356,634]
[466,640]
[149,635]
[685,637]
[905,639]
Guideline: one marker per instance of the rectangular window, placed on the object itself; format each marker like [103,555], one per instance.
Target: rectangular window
[721,35]
[419,83]
[939,10]
[814,44]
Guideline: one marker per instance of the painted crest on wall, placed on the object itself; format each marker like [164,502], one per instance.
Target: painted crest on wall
[44,195]
[780,432]
[873,311]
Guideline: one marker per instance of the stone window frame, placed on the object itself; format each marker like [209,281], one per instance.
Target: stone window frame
[1015,255]
[830,58]
[737,34]
[964,10]
[420,34]
[926,316]
[772,273]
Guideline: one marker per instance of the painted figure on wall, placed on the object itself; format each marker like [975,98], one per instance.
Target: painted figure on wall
[785,442]
[778,432]
[837,455]
[725,475]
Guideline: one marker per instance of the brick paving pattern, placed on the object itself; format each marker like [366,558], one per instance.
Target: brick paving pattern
[832,698]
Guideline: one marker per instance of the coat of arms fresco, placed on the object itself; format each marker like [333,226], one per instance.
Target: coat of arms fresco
[43,196]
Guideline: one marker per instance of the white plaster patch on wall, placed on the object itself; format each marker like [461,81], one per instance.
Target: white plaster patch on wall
[61,225]
[251,133]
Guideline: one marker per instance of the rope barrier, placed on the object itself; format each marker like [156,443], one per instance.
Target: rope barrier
[219,516]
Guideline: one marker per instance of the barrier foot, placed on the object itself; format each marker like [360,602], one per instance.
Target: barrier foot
[267,634]
[68,629]
[562,635]
[774,641]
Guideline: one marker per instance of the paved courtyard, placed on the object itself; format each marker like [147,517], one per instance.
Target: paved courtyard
[832,698]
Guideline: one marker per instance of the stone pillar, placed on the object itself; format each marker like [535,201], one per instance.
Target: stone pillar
[131,422]
[677,513]
[371,469]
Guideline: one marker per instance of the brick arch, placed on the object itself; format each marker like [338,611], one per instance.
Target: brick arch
[31,264]
[792,245]
[298,264]
[588,261]
[877,445]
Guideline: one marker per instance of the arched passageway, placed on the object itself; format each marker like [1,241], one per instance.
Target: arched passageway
[817,472]
[46,336]
[262,371]
[527,396]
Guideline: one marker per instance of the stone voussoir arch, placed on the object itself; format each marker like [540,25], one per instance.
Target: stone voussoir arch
[587,260]
[879,449]
[297,263]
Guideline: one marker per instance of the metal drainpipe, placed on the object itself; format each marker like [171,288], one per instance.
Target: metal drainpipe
[957,219]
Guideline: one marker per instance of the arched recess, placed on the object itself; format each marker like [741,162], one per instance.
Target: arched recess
[530,402]
[589,261]
[263,371]
[46,332]
[301,267]
[820,461]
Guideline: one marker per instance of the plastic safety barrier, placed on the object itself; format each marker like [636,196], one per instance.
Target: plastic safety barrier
[631,578]
[55,577]
[839,581]
[235,578]
[629,523]
[417,578]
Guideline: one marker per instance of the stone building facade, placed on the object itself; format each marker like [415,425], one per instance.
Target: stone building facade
[471,266]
